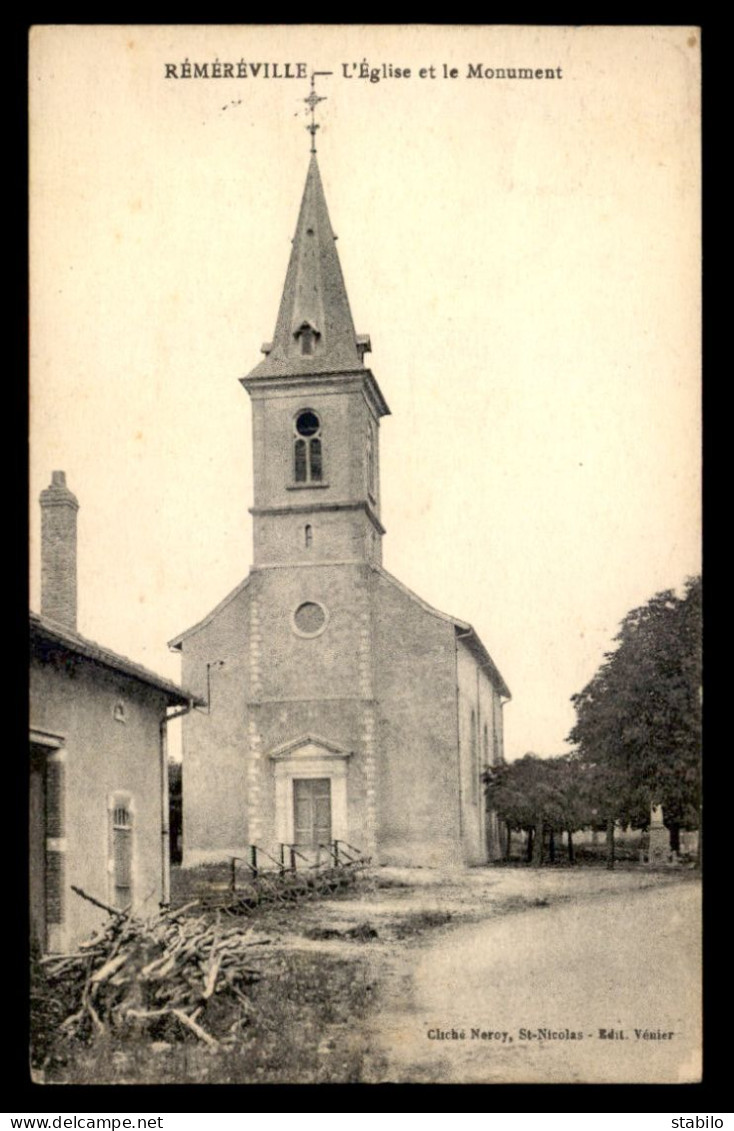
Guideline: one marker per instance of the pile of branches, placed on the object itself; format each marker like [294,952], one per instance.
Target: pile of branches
[173,976]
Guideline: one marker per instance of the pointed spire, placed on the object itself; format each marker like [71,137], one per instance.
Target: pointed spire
[314,332]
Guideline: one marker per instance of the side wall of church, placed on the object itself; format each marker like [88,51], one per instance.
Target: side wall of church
[215,740]
[479,718]
[418,808]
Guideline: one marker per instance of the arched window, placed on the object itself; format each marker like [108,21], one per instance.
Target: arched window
[307,457]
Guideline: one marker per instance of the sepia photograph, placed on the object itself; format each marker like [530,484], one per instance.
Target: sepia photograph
[365,554]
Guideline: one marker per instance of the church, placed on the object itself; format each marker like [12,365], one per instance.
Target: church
[340,706]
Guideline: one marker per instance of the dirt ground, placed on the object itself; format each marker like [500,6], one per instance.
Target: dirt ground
[604,988]
[337,972]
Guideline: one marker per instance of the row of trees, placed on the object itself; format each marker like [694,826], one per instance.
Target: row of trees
[637,738]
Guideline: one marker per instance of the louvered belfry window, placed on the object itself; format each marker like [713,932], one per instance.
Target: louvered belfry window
[307,459]
[122,854]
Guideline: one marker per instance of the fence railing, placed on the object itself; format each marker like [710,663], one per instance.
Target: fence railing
[300,871]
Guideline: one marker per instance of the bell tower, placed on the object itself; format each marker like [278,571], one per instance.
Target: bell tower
[316,413]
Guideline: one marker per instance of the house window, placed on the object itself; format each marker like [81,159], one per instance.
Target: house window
[121,850]
[307,456]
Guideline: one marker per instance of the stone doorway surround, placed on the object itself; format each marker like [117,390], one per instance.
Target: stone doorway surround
[309,756]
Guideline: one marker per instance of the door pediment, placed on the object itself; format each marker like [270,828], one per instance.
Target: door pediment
[309,748]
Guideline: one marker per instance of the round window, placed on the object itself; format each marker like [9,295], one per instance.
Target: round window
[309,619]
[307,423]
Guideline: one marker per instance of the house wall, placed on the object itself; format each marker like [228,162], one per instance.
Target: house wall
[418,804]
[76,700]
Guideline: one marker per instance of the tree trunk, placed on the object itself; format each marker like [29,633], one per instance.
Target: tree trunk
[552,846]
[610,843]
[529,850]
[508,841]
[674,832]
[537,858]
[569,834]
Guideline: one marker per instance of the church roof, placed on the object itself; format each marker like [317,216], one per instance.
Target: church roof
[315,331]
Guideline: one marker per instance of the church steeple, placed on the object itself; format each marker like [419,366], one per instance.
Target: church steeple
[314,332]
[316,410]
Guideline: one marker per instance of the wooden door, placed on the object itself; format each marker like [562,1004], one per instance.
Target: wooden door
[312,811]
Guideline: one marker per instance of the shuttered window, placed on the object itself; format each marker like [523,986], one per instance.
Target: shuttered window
[122,854]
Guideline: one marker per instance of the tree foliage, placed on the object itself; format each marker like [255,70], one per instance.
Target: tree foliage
[638,721]
[541,796]
[534,790]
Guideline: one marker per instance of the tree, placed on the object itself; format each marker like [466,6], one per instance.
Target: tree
[544,796]
[638,721]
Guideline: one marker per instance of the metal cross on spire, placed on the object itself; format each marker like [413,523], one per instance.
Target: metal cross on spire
[312,102]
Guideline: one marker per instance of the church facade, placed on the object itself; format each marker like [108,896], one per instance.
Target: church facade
[340,705]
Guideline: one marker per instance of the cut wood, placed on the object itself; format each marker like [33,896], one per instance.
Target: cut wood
[109,968]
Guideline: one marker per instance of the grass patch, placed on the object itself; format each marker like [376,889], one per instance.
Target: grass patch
[419,922]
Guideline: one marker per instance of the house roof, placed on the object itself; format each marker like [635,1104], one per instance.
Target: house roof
[314,299]
[44,630]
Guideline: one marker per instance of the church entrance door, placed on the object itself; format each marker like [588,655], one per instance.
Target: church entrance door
[312,811]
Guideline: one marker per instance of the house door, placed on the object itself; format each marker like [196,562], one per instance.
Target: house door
[312,811]
[37,847]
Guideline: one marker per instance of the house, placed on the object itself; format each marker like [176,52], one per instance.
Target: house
[341,705]
[98,761]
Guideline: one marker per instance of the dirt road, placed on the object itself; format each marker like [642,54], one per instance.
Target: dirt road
[500,1001]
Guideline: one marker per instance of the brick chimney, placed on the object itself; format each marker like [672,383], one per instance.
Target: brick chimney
[58,552]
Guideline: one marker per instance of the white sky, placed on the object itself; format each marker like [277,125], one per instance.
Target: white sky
[524,255]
